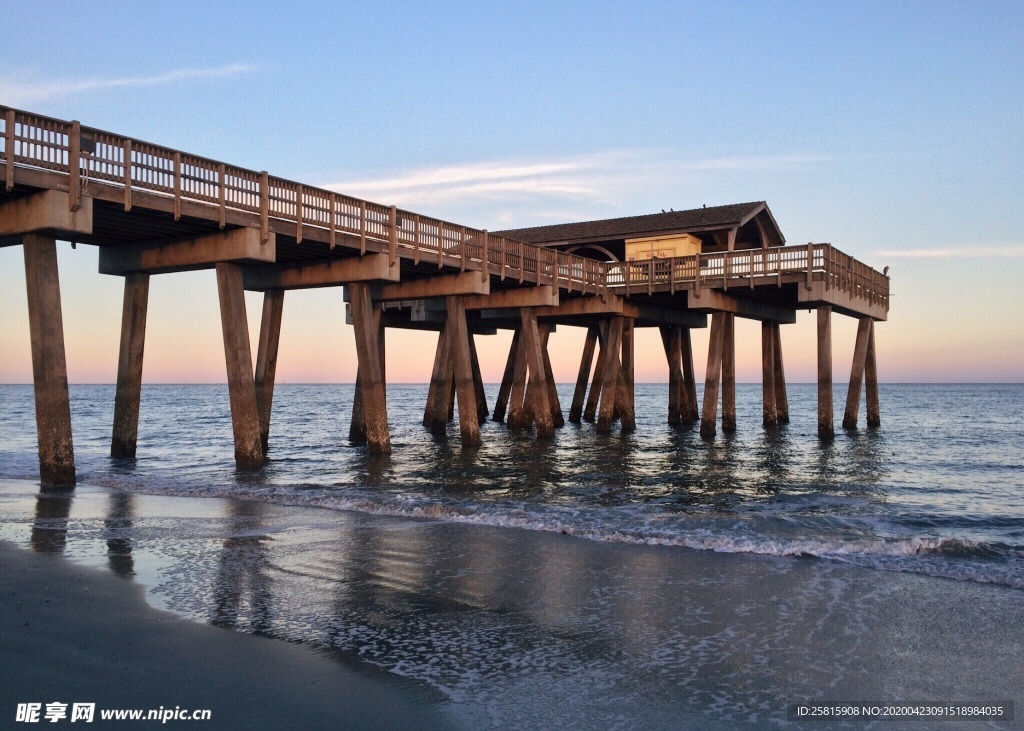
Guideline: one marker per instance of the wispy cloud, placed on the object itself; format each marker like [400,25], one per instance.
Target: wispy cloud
[597,178]
[967,251]
[22,92]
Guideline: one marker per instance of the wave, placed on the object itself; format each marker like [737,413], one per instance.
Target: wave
[943,556]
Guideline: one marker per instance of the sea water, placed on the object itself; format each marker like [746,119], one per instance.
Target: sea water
[938,489]
[651,579]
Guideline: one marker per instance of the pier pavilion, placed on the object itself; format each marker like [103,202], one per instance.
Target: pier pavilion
[153,210]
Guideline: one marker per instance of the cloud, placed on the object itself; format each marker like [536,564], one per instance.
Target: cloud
[968,251]
[596,178]
[22,93]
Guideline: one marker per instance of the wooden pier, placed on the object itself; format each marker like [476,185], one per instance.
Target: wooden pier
[154,210]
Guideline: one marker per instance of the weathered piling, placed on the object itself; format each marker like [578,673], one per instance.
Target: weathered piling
[857,373]
[826,430]
[124,439]
[266,359]
[49,367]
[238,360]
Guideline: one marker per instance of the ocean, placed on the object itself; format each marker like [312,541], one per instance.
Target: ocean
[650,579]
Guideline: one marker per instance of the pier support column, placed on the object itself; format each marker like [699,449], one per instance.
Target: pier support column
[501,405]
[713,375]
[519,415]
[670,337]
[624,397]
[462,365]
[539,402]
[860,352]
[770,411]
[612,368]
[781,397]
[266,359]
[238,359]
[478,381]
[594,397]
[49,367]
[729,375]
[124,439]
[688,404]
[357,427]
[578,396]
[366,323]
[435,416]
[871,380]
[556,405]
[826,430]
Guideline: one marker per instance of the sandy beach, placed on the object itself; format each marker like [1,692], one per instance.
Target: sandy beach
[380,622]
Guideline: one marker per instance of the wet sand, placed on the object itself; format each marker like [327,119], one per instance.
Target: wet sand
[70,634]
[475,626]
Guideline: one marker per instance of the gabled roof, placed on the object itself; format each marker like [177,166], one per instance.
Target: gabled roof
[697,219]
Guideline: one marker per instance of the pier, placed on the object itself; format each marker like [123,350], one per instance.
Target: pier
[153,210]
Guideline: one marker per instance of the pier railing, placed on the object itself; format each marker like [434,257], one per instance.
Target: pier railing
[91,156]
[750,268]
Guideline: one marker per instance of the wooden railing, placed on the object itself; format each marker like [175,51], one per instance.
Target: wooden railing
[92,156]
[750,268]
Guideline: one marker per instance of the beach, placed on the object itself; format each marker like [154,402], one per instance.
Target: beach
[72,633]
[390,622]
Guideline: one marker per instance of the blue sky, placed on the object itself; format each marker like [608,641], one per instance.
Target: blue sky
[892,130]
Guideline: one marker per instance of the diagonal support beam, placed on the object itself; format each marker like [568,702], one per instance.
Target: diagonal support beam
[505,390]
[860,352]
[576,410]
[266,359]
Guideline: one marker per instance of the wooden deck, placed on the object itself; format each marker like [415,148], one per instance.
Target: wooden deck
[133,185]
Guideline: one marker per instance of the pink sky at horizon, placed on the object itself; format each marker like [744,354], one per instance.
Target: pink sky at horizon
[184,338]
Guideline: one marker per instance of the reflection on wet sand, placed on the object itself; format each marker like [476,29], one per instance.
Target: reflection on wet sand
[117,527]
[242,588]
[50,527]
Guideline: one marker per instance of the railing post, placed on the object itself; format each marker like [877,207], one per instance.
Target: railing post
[810,263]
[485,240]
[298,215]
[393,242]
[127,165]
[462,248]
[440,245]
[222,173]
[416,239]
[74,166]
[333,224]
[264,207]
[177,186]
[9,151]
[362,227]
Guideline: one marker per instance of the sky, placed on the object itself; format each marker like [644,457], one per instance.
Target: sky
[891,130]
